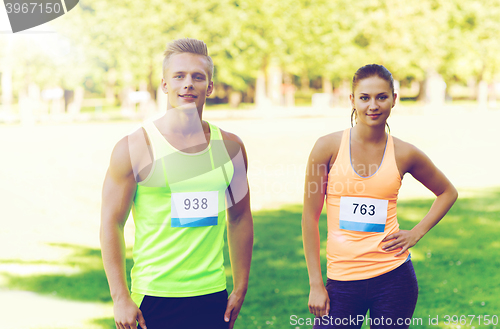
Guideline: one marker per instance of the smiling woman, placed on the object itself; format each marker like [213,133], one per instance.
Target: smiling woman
[373,71]
[360,171]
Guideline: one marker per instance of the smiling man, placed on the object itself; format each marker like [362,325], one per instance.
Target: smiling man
[182,177]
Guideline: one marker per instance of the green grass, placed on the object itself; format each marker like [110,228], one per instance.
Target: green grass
[456,264]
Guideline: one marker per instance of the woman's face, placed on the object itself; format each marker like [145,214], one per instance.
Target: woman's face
[373,100]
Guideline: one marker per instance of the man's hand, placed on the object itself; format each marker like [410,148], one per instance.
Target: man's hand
[319,302]
[233,308]
[127,314]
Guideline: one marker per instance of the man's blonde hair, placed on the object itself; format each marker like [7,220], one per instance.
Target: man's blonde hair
[188,45]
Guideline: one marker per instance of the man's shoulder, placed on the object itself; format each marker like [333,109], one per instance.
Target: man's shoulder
[232,142]
[120,164]
[228,136]
[121,151]
[129,151]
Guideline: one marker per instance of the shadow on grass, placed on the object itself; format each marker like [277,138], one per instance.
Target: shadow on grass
[89,284]
[456,265]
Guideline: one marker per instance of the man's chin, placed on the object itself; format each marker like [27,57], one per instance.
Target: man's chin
[186,107]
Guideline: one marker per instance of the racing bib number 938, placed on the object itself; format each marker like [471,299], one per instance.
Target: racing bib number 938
[194,209]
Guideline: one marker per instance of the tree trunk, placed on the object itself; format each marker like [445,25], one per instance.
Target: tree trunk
[289,90]
[344,92]
[421,90]
[327,85]
[274,85]
[432,89]
[127,108]
[260,89]
[151,88]
[110,86]
[304,82]
[493,94]
[482,94]
[75,106]
[235,98]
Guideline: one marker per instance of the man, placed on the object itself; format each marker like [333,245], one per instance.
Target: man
[180,175]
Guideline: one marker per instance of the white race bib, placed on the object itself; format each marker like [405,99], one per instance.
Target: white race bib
[363,214]
[193,209]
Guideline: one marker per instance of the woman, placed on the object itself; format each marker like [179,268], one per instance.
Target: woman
[360,172]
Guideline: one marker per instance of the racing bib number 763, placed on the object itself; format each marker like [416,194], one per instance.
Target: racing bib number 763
[363,214]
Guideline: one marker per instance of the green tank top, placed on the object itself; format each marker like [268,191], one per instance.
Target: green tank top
[180,216]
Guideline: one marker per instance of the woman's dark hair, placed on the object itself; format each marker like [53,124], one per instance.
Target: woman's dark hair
[368,71]
[371,70]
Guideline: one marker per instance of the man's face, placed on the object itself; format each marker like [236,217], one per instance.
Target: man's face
[186,81]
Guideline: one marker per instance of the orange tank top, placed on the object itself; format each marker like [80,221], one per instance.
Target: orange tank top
[361,212]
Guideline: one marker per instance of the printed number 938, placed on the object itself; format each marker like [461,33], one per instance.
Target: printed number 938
[195,204]
[364,209]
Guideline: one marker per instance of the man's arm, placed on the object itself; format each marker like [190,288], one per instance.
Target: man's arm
[117,195]
[239,228]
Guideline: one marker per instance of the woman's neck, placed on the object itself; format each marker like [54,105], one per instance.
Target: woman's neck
[368,134]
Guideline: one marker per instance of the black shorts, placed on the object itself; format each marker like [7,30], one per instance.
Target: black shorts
[390,297]
[206,311]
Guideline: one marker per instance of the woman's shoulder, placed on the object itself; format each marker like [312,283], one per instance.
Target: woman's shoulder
[402,148]
[406,154]
[327,146]
[331,139]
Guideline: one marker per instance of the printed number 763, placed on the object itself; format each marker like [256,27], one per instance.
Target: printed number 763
[363,209]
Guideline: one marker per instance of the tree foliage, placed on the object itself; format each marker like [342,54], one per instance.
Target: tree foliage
[328,38]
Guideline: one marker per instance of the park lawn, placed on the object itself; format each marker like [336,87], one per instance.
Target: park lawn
[456,264]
